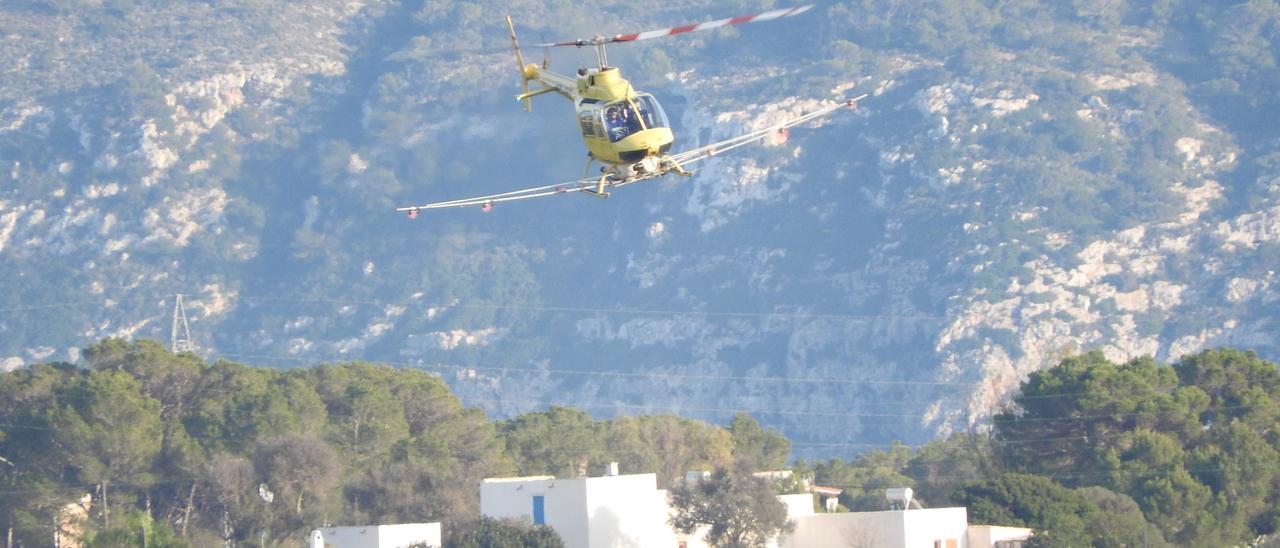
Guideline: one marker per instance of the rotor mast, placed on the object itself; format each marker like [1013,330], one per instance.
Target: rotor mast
[602,59]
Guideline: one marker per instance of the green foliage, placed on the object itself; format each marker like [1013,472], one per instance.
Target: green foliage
[138,529]
[560,441]
[865,478]
[739,510]
[1061,516]
[1190,444]
[667,445]
[756,448]
[108,432]
[1090,453]
[941,465]
[233,453]
[491,533]
[1094,453]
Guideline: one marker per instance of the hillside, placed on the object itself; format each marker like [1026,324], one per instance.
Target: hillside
[1026,182]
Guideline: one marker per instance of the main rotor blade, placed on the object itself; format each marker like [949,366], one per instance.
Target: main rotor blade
[682,29]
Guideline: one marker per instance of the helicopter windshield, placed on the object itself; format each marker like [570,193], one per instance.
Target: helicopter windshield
[622,120]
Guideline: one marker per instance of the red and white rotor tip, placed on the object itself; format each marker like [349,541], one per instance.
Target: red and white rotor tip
[709,25]
[682,29]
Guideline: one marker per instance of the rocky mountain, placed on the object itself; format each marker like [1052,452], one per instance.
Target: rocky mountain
[1024,183]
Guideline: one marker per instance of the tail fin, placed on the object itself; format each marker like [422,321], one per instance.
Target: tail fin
[526,72]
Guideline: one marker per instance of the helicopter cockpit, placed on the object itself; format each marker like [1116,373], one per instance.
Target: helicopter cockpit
[626,117]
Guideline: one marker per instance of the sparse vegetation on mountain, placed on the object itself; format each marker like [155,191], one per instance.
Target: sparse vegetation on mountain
[1029,176]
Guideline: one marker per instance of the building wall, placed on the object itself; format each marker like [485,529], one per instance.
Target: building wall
[850,530]
[890,529]
[625,511]
[798,505]
[926,526]
[564,504]
[986,536]
[377,536]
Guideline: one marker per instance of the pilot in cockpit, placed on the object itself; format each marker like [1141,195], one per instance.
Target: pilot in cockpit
[616,121]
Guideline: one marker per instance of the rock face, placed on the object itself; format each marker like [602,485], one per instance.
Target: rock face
[886,274]
[120,205]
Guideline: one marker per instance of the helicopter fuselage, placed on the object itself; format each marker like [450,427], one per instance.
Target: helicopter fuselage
[620,126]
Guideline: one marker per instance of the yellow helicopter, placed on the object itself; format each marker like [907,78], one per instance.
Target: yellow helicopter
[625,130]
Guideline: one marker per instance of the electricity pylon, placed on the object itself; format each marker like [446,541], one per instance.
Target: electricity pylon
[180,334]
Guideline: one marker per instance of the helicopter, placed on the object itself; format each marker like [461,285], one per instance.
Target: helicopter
[625,130]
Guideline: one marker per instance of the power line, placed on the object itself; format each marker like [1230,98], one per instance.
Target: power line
[524,307]
[660,407]
[508,369]
[598,372]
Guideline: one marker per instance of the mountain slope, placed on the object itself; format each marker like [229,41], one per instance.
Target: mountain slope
[1025,182]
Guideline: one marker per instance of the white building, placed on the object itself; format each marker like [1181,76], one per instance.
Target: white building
[904,528]
[923,528]
[377,536]
[626,511]
[606,511]
[997,536]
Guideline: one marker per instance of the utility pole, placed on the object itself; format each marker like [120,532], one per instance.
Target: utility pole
[180,334]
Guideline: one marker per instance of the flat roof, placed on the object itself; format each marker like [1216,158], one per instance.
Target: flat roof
[512,480]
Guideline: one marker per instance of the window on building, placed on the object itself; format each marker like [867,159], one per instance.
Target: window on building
[539,513]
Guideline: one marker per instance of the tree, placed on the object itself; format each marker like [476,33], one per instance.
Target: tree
[30,472]
[1068,414]
[365,418]
[943,464]
[227,492]
[756,448]
[110,433]
[506,533]
[138,529]
[1061,516]
[172,380]
[740,510]
[431,476]
[295,466]
[1192,444]
[560,441]
[865,478]
[1119,519]
[667,445]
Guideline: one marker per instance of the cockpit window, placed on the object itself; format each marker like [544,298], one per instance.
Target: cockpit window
[622,118]
[587,119]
